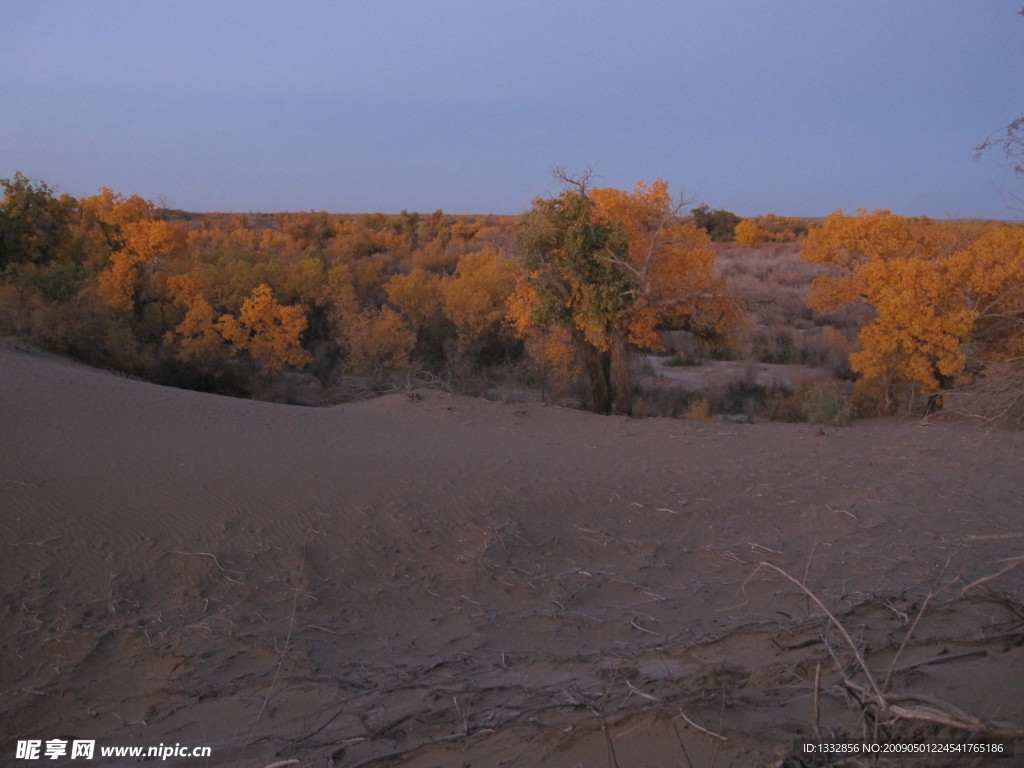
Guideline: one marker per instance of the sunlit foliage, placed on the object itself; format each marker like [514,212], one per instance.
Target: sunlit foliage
[139,240]
[475,296]
[267,331]
[418,294]
[613,268]
[947,297]
[668,262]
[196,336]
[749,234]
[770,229]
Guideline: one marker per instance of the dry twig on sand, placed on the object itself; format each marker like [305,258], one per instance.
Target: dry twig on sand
[701,728]
[905,706]
[277,673]
[879,698]
[997,397]
[910,632]
[215,562]
[1013,563]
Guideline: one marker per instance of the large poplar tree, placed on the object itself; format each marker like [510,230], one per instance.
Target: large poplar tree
[613,268]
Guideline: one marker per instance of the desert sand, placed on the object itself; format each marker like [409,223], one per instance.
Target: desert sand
[430,580]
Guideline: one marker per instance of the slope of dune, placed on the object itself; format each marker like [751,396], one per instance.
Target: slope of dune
[436,580]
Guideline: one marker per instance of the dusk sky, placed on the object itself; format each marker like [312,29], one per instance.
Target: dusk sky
[796,107]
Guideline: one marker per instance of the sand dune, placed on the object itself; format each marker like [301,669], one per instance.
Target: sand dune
[448,581]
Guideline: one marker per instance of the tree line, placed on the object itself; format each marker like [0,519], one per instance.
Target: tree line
[565,294]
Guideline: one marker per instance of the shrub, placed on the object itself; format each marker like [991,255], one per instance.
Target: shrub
[719,224]
[749,234]
[777,344]
[699,410]
[748,398]
[821,402]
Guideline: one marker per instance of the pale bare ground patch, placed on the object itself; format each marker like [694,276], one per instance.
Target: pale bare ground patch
[720,373]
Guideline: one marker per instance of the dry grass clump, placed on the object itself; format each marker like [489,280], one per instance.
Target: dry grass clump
[996,397]
[824,347]
[772,281]
[668,402]
[813,400]
[753,400]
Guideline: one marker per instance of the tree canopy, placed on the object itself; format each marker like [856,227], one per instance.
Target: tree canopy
[948,297]
[613,268]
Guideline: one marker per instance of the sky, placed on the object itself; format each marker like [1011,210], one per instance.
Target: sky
[794,107]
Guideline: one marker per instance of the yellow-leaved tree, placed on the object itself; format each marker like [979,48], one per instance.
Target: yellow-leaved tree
[196,336]
[475,297]
[946,298]
[749,234]
[378,343]
[613,268]
[267,331]
[418,295]
[138,240]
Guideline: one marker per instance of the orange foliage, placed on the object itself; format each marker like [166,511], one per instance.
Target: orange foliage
[770,229]
[118,283]
[268,331]
[475,297]
[418,295]
[433,256]
[196,334]
[211,286]
[550,346]
[378,343]
[941,295]
[669,263]
[749,234]
[991,268]
[138,239]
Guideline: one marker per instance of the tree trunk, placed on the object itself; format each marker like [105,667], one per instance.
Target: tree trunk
[595,363]
[620,376]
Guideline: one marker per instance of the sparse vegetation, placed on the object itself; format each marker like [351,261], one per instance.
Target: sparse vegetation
[822,402]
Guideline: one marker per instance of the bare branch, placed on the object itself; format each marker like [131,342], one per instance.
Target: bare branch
[1011,140]
[579,179]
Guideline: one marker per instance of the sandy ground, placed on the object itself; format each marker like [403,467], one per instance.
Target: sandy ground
[441,581]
